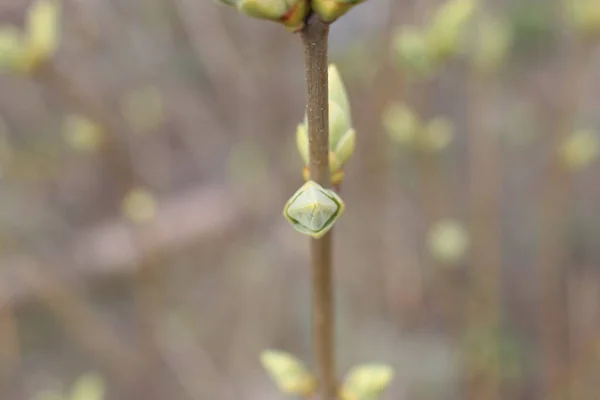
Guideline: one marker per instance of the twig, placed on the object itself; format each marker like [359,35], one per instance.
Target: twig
[484,298]
[10,346]
[555,210]
[315,40]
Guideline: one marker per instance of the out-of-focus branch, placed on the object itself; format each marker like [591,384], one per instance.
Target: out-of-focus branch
[9,341]
[555,210]
[112,248]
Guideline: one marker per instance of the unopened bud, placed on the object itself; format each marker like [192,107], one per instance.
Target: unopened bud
[493,43]
[448,241]
[342,137]
[447,26]
[10,49]
[437,135]
[580,149]
[42,33]
[330,10]
[24,52]
[290,13]
[313,210]
[585,16]
[412,53]
[289,373]
[401,123]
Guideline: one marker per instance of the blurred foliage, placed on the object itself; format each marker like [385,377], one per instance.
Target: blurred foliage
[87,387]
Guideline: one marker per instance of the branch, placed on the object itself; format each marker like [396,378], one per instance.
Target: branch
[315,38]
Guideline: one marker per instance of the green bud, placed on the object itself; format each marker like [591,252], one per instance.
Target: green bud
[585,16]
[289,373]
[10,48]
[494,40]
[401,123]
[447,27]
[330,10]
[448,241]
[580,149]
[290,13]
[412,53]
[342,137]
[313,210]
[366,381]
[302,142]
[437,135]
[42,33]
[89,386]
[337,90]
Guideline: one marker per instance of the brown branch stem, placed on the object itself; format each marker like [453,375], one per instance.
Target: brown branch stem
[315,40]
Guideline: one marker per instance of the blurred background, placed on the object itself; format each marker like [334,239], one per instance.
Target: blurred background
[144,169]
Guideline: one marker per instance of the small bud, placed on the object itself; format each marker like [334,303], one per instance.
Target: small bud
[447,27]
[10,49]
[89,386]
[289,373]
[401,123]
[82,134]
[448,241]
[437,135]
[412,53]
[290,13]
[585,16]
[493,42]
[42,33]
[330,10]
[342,137]
[313,210]
[580,149]
[139,206]
[366,382]
[337,90]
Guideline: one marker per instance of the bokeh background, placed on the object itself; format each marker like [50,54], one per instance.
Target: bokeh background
[143,173]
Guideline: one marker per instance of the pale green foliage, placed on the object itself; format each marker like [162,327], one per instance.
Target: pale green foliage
[448,241]
[139,205]
[580,149]
[289,373]
[492,43]
[421,51]
[412,51]
[406,128]
[584,15]
[82,134]
[437,134]
[313,210]
[366,382]
[24,52]
[401,123]
[89,386]
[448,26]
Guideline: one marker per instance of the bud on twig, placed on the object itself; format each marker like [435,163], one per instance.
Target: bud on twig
[24,52]
[585,16]
[330,10]
[342,137]
[290,13]
[313,210]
